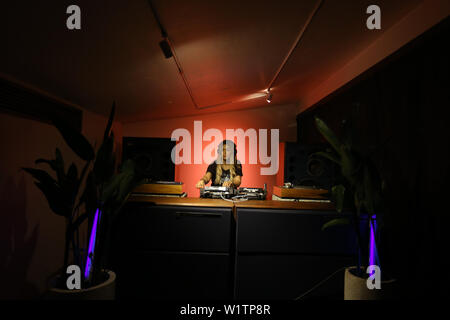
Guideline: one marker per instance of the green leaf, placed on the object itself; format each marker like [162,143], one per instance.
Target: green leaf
[110,121]
[55,199]
[90,195]
[128,167]
[80,220]
[372,188]
[72,173]
[338,194]
[58,199]
[104,162]
[40,175]
[125,187]
[110,187]
[328,134]
[358,202]
[59,162]
[335,222]
[68,185]
[57,165]
[51,163]
[121,184]
[349,137]
[350,166]
[76,141]
[118,206]
[328,155]
[80,180]
[112,164]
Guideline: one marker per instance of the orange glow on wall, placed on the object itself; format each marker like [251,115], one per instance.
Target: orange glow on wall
[191,173]
[272,117]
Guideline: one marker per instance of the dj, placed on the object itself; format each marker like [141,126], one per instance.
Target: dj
[226,170]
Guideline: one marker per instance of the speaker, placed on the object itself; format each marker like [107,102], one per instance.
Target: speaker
[303,168]
[152,157]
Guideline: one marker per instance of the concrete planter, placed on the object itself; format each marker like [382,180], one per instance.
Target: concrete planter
[355,288]
[104,291]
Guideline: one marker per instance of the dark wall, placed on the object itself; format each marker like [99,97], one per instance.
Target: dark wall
[399,109]
[26,103]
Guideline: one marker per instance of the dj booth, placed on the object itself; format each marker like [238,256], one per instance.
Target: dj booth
[208,249]
[233,193]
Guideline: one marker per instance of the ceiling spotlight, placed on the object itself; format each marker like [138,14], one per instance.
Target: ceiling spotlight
[269,96]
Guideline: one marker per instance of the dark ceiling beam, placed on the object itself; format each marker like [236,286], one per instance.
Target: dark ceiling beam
[169,51]
[295,45]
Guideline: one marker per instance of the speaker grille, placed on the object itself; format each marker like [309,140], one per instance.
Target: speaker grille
[152,155]
[303,168]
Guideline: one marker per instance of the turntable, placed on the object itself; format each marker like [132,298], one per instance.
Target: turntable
[217,192]
[253,193]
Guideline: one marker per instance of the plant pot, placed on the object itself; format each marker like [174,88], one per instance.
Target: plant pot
[355,288]
[104,291]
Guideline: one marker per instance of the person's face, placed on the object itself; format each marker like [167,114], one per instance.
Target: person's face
[226,152]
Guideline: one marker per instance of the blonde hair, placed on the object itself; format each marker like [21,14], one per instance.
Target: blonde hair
[219,161]
[219,172]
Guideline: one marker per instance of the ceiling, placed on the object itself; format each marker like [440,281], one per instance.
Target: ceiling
[230,51]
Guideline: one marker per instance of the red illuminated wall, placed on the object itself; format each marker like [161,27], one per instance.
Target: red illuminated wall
[273,117]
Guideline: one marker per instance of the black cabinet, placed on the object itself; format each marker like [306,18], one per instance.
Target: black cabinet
[176,228]
[281,254]
[173,252]
[188,253]
[175,276]
[292,231]
[287,276]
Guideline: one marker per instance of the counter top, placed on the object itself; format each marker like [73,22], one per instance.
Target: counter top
[174,201]
[203,202]
[295,205]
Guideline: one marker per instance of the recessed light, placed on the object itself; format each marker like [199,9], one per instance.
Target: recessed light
[269,96]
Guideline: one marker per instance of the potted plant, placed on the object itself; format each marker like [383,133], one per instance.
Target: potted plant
[95,196]
[364,186]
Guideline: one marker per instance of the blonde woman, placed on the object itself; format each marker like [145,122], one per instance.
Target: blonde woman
[226,170]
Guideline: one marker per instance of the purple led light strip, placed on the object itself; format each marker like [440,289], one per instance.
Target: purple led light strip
[373,247]
[87,270]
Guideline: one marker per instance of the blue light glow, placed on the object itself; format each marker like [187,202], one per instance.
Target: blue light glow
[87,270]
[373,256]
